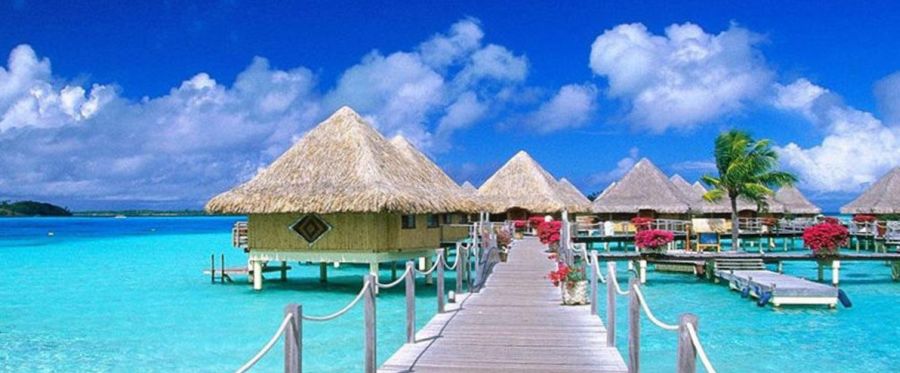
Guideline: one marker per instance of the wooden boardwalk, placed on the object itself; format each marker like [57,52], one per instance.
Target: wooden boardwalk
[516,323]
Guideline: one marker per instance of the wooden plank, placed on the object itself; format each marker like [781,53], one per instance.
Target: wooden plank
[516,323]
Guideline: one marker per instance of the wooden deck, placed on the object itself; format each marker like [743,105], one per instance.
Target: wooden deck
[784,289]
[516,323]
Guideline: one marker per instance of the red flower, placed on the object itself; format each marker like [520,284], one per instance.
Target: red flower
[652,238]
[519,224]
[640,223]
[861,218]
[825,238]
[548,232]
[830,220]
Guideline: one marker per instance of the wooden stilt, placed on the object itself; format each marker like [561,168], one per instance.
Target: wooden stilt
[373,270]
[429,278]
[323,272]
[222,279]
[393,270]
[257,275]
[212,268]
[283,270]
[821,276]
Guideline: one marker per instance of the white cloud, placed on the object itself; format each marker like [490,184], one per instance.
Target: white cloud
[857,147]
[887,92]
[622,167]
[699,166]
[571,107]
[66,142]
[682,79]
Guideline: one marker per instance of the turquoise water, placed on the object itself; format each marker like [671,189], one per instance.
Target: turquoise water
[128,295]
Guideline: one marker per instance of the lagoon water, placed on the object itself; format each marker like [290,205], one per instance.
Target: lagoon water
[128,295]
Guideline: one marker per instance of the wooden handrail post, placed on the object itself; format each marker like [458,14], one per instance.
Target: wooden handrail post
[634,328]
[610,304]
[687,353]
[594,267]
[293,350]
[440,280]
[370,349]
[411,301]
[459,269]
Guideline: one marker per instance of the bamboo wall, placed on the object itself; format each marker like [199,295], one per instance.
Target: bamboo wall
[362,232]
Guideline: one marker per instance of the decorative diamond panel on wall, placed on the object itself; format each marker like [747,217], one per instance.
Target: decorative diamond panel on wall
[311,227]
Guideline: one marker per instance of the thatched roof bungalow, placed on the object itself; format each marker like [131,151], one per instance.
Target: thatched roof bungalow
[576,198]
[794,202]
[522,187]
[342,193]
[644,191]
[418,160]
[694,194]
[881,198]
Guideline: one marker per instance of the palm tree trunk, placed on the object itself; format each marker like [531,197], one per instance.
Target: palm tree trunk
[734,224]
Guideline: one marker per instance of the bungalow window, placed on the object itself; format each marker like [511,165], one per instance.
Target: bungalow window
[464,219]
[408,221]
[446,219]
[433,221]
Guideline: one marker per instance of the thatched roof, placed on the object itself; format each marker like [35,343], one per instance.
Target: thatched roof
[794,202]
[883,197]
[693,196]
[341,165]
[606,190]
[574,195]
[644,187]
[523,183]
[694,193]
[469,188]
[438,176]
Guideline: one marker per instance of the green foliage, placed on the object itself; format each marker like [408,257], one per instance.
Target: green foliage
[32,208]
[593,196]
[746,169]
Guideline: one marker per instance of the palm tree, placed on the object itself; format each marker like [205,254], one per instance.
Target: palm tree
[746,169]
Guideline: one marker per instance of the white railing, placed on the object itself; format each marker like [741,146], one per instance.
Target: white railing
[689,348]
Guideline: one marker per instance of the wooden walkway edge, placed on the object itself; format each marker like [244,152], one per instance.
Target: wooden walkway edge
[516,323]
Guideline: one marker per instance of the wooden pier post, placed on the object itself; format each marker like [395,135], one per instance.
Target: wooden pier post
[370,359]
[820,267]
[373,270]
[610,304]
[460,254]
[429,277]
[634,328]
[440,280]
[687,354]
[222,265]
[323,272]
[212,268]
[642,265]
[283,269]
[835,272]
[293,335]
[411,302]
[257,275]
[393,270]
[594,267]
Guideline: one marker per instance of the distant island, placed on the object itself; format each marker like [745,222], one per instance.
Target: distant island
[112,213]
[32,208]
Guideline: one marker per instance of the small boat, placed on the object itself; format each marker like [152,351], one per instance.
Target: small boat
[119,217]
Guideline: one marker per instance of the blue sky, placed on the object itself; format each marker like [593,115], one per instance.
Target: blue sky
[162,105]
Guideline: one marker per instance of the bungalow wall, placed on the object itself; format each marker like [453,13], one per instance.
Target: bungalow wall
[350,232]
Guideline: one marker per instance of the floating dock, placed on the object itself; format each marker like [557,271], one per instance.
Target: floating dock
[779,289]
[516,323]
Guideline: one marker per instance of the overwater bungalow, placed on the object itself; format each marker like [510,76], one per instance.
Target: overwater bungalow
[342,193]
[794,203]
[643,191]
[452,224]
[881,198]
[569,191]
[521,188]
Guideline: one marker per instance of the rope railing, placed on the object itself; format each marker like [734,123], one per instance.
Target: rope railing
[650,315]
[397,281]
[433,266]
[291,326]
[701,353]
[344,310]
[268,346]
[689,347]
